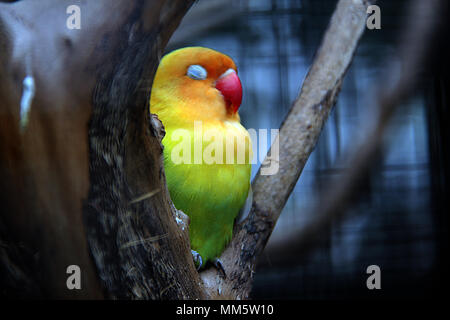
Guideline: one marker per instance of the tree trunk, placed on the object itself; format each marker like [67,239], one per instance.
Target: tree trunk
[88,145]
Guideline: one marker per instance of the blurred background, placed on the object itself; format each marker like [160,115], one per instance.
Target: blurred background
[399,222]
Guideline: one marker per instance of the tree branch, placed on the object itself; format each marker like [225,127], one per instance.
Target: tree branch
[418,53]
[297,138]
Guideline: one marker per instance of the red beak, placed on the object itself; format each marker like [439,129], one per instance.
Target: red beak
[230,86]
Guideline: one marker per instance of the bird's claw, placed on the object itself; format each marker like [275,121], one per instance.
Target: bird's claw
[219,266]
[197,259]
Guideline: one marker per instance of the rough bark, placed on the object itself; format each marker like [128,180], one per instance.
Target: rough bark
[89,140]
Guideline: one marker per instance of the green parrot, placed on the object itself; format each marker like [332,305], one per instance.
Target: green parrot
[196,93]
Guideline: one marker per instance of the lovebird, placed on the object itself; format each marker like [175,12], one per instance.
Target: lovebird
[196,93]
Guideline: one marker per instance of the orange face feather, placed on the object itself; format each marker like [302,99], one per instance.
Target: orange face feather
[217,97]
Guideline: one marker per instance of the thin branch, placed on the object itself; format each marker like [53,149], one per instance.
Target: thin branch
[417,55]
[296,140]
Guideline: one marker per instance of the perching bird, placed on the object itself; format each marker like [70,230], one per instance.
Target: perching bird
[196,94]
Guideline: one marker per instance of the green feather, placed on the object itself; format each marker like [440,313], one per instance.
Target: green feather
[211,195]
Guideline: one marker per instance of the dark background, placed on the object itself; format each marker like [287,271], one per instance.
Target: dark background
[400,220]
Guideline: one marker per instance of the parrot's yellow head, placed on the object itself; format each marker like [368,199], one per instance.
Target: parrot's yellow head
[196,84]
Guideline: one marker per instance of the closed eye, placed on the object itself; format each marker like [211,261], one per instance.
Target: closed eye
[197,72]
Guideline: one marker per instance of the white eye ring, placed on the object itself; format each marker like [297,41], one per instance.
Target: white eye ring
[196,72]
